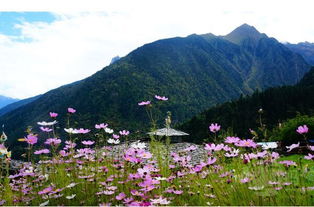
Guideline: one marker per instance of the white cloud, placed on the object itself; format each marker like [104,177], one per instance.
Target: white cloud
[79,43]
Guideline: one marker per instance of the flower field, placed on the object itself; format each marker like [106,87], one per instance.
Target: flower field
[80,171]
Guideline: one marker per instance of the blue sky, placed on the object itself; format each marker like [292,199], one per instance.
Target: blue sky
[73,39]
[8,20]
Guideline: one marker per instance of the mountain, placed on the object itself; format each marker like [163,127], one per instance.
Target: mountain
[278,104]
[195,72]
[245,35]
[114,59]
[305,49]
[6,100]
[17,104]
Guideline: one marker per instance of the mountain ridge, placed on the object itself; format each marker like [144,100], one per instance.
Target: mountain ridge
[4,101]
[195,72]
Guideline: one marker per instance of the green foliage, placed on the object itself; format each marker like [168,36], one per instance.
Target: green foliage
[278,104]
[287,131]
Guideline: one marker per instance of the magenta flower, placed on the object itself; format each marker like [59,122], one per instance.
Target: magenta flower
[101,126]
[145,155]
[71,110]
[45,129]
[31,139]
[244,180]
[82,131]
[275,155]
[288,163]
[53,141]
[309,157]
[124,133]
[273,183]
[43,151]
[211,147]
[214,127]
[144,103]
[53,114]
[121,196]
[115,136]
[45,191]
[246,143]
[143,172]
[211,161]
[232,140]
[161,98]
[190,148]
[291,147]
[89,142]
[302,129]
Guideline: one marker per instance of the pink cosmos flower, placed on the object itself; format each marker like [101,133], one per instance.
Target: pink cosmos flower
[311,148]
[214,147]
[160,200]
[121,196]
[291,147]
[232,140]
[143,172]
[288,163]
[45,129]
[275,155]
[45,191]
[245,180]
[71,110]
[63,153]
[190,148]
[278,188]
[128,200]
[177,192]
[69,145]
[82,131]
[31,139]
[302,129]
[161,98]
[309,157]
[115,136]
[53,114]
[246,143]
[88,142]
[124,133]
[214,127]
[211,160]
[42,151]
[101,126]
[53,141]
[145,155]
[144,103]
[273,183]
[232,153]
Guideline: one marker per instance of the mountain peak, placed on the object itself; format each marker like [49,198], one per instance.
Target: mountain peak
[244,32]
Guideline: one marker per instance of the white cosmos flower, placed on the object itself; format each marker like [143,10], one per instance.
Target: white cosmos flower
[71,131]
[43,123]
[108,130]
[268,145]
[113,141]
[256,188]
[70,197]
[71,185]
[138,145]
[160,178]
[44,203]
